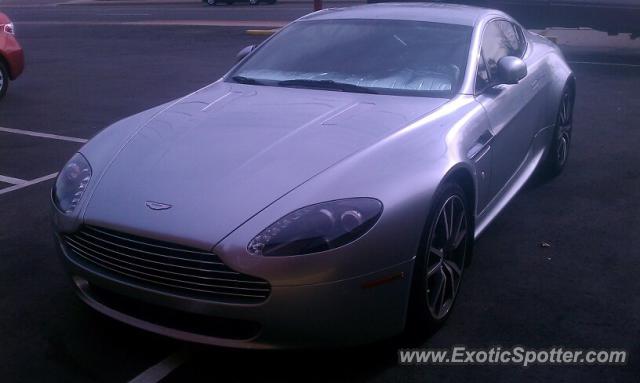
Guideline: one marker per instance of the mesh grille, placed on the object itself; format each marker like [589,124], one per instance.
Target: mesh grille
[164,266]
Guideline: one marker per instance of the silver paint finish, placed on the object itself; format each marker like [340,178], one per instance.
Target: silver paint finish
[232,159]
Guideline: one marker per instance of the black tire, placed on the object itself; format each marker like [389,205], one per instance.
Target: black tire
[436,253]
[558,154]
[211,2]
[4,79]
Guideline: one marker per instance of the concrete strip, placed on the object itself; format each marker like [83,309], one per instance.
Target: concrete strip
[162,369]
[11,180]
[28,183]
[43,135]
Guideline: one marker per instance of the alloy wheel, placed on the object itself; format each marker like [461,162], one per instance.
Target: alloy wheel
[564,129]
[446,253]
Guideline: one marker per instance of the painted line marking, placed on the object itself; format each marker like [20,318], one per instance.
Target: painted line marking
[261,32]
[125,14]
[162,369]
[43,135]
[152,23]
[28,183]
[212,23]
[604,64]
[11,180]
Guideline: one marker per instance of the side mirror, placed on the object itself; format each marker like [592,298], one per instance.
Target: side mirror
[244,52]
[511,70]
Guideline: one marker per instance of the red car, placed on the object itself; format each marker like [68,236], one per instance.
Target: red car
[11,55]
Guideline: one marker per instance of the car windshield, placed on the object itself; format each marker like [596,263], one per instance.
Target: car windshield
[396,57]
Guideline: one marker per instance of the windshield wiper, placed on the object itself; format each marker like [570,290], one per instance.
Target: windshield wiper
[326,84]
[246,80]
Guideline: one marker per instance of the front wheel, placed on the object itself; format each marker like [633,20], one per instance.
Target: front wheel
[440,262]
[4,80]
[558,154]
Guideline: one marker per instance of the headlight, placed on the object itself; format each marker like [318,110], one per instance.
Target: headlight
[71,183]
[316,228]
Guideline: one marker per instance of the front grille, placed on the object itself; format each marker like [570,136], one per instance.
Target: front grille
[163,266]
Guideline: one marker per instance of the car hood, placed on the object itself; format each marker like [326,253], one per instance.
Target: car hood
[226,152]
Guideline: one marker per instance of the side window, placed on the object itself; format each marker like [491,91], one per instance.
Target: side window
[482,79]
[501,38]
[494,47]
[514,38]
[521,39]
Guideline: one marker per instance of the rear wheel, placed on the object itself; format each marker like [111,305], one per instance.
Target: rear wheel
[441,259]
[558,154]
[4,79]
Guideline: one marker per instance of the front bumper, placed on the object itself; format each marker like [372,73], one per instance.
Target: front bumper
[351,311]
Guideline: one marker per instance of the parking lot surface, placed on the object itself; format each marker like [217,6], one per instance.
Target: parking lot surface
[89,66]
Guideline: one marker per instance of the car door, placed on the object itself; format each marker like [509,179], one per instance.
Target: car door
[513,119]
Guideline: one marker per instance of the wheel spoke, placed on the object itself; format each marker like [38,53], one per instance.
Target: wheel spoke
[565,111]
[452,268]
[433,298]
[452,285]
[433,270]
[462,234]
[451,220]
[447,234]
[454,273]
[440,295]
[460,231]
[438,252]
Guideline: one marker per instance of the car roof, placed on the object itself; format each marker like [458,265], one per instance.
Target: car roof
[431,12]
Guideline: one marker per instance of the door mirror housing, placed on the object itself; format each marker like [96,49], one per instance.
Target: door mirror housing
[244,52]
[511,70]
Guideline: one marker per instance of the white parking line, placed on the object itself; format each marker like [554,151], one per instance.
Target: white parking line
[162,369]
[11,180]
[43,135]
[27,183]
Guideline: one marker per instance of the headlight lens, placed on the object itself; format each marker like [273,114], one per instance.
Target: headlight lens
[316,228]
[71,183]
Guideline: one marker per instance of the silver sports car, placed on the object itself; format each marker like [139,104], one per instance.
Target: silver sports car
[328,189]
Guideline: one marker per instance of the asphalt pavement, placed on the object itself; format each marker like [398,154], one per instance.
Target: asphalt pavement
[88,66]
